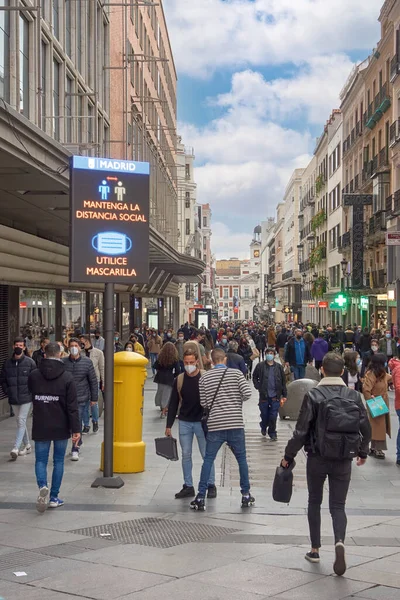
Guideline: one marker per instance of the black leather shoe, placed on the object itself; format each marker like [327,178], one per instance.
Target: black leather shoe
[212,491]
[186,492]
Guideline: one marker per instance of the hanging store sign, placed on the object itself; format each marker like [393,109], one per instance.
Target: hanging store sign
[322,304]
[109,202]
[393,238]
[364,303]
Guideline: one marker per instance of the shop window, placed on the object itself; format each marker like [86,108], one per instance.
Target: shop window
[73,313]
[37,316]
[96,312]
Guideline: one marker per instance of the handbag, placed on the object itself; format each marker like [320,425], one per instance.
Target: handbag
[206,410]
[377,407]
[256,354]
[167,448]
[283,484]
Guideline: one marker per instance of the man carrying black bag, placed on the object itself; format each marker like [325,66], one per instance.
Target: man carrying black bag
[333,427]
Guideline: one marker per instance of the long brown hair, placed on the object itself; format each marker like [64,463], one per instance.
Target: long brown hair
[168,355]
[350,362]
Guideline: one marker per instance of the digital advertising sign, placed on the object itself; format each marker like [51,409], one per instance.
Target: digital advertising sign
[109,237]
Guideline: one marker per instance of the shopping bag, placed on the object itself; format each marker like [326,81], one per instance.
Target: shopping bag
[167,448]
[377,407]
[283,484]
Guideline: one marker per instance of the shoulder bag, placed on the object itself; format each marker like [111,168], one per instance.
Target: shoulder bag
[207,410]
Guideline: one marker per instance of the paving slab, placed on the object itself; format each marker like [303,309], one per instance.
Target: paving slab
[379,592]
[40,570]
[101,582]
[15,591]
[183,589]
[328,588]
[250,577]
[382,572]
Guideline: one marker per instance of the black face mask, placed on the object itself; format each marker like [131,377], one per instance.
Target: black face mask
[18,351]
[299,337]
[97,336]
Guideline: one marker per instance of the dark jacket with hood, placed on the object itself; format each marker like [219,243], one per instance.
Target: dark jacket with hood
[55,404]
[38,356]
[281,339]
[235,361]
[84,375]
[14,379]
[319,348]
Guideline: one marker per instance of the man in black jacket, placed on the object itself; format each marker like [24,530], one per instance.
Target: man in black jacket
[333,427]
[55,418]
[280,343]
[14,381]
[38,355]
[87,386]
[233,359]
[270,381]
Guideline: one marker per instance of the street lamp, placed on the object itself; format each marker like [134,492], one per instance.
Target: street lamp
[315,277]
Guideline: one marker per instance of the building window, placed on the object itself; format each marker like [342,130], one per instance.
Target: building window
[246,293]
[4,52]
[187,171]
[43,86]
[204,258]
[56,99]
[236,292]
[68,27]
[68,110]
[73,313]
[246,315]
[37,316]
[23,66]
[226,293]
[79,35]
[187,200]
[204,243]
[56,18]
[187,229]
[204,221]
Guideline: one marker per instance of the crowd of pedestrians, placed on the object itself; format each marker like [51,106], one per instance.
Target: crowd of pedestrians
[203,377]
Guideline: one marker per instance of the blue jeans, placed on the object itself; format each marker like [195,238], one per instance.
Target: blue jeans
[42,450]
[269,414]
[21,411]
[398,436]
[236,441]
[153,358]
[298,371]
[187,430]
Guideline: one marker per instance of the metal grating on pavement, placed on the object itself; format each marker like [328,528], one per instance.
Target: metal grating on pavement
[20,559]
[71,548]
[158,533]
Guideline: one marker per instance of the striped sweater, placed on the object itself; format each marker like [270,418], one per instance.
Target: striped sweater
[227,409]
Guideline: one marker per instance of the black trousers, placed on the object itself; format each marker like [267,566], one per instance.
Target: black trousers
[339,475]
[318,364]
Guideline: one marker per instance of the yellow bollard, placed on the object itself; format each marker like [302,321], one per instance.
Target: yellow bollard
[129,377]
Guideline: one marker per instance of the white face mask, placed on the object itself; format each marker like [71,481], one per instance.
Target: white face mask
[129,349]
[61,348]
[190,369]
[74,350]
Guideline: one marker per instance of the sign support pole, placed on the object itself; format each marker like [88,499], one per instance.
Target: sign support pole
[108,480]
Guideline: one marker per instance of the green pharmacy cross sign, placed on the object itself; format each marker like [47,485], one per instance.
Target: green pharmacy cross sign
[339,302]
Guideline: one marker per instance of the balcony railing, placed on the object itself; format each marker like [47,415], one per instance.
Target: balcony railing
[396,202]
[377,279]
[376,224]
[356,183]
[271,259]
[378,107]
[383,158]
[304,266]
[389,206]
[346,240]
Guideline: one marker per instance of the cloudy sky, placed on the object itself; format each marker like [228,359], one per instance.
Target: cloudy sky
[257,81]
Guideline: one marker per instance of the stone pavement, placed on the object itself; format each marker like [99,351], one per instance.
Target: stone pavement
[139,543]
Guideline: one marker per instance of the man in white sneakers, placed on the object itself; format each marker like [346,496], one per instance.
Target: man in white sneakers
[55,418]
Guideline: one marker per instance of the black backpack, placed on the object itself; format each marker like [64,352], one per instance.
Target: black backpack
[338,425]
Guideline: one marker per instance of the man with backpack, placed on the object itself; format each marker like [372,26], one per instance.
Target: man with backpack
[333,427]
[185,403]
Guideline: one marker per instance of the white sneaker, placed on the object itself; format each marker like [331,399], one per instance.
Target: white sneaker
[75,456]
[43,499]
[14,453]
[25,451]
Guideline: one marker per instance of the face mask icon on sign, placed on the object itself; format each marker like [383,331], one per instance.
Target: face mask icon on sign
[111,243]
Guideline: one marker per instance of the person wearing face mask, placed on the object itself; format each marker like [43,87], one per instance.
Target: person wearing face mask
[14,381]
[134,346]
[154,344]
[368,355]
[97,358]
[98,341]
[87,386]
[351,374]
[138,335]
[38,355]
[185,403]
[297,355]
[387,346]
[180,342]
[270,381]
[223,343]
[169,336]
[118,347]
[167,369]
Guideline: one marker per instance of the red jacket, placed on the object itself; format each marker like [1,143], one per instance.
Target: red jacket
[394,366]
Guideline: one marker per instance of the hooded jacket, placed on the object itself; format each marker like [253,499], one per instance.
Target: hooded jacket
[14,379]
[55,404]
[84,375]
[319,348]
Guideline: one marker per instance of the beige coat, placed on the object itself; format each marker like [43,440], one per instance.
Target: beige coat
[372,387]
[154,345]
[97,358]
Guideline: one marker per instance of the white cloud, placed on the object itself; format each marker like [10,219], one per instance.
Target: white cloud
[226,244]
[210,34]
[311,91]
